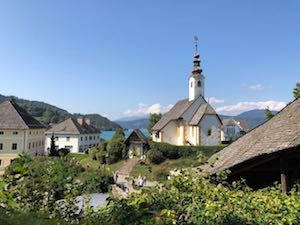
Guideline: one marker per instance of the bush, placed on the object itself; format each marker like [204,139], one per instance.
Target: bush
[175,152]
[96,181]
[156,156]
[115,150]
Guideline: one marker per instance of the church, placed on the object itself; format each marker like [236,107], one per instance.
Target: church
[192,121]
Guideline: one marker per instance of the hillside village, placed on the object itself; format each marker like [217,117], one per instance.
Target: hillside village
[193,159]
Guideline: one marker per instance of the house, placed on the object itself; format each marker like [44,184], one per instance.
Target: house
[136,143]
[20,133]
[233,129]
[268,153]
[77,135]
[191,121]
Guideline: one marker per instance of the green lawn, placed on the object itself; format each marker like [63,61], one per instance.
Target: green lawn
[160,172]
[85,160]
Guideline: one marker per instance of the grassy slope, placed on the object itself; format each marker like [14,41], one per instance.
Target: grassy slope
[160,172]
[84,159]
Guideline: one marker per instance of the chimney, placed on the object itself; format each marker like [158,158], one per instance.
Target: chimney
[80,120]
[87,121]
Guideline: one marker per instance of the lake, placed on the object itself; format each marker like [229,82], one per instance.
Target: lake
[107,135]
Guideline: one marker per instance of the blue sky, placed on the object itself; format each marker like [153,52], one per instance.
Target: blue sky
[128,58]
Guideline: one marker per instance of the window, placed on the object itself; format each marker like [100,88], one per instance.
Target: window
[81,138]
[199,83]
[32,144]
[209,132]
[29,145]
[29,132]
[68,138]
[191,84]
[1,163]
[91,138]
[15,132]
[1,132]
[86,138]
[1,146]
[14,146]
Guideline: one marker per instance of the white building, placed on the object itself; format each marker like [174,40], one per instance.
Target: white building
[191,121]
[233,129]
[77,135]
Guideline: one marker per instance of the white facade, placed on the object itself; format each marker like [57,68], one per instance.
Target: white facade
[196,86]
[74,142]
[232,130]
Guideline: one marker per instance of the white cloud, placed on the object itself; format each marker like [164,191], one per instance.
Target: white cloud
[235,109]
[256,87]
[144,109]
[214,100]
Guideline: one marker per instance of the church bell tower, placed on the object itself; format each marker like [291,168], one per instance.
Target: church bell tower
[196,79]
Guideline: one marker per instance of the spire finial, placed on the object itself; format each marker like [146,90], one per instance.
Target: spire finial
[196,43]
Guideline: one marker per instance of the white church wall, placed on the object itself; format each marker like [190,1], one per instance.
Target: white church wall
[170,133]
[210,122]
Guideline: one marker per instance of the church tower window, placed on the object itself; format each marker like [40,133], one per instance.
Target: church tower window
[199,83]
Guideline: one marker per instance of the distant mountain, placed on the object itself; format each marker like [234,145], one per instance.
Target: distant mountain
[133,123]
[100,122]
[253,118]
[47,114]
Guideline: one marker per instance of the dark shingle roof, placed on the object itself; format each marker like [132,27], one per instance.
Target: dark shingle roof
[204,109]
[175,113]
[180,108]
[279,133]
[71,126]
[12,116]
[140,134]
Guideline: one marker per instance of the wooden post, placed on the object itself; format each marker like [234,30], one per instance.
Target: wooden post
[284,174]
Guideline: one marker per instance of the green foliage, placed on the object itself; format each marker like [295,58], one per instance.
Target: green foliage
[154,118]
[115,150]
[39,183]
[119,135]
[13,217]
[52,147]
[268,113]
[190,199]
[155,156]
[96,181]
[174,152]
[296,91]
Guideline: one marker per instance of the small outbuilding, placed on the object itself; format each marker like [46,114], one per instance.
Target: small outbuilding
[136,143]
[268,153]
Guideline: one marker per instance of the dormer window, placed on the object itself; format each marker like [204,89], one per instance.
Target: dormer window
[199,83]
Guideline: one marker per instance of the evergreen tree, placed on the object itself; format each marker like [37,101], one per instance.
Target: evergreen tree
[119,134]
[53,151]
[296,91]
[268,113]
[154,118]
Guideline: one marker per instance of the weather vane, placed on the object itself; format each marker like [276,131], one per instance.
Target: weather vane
[196,42]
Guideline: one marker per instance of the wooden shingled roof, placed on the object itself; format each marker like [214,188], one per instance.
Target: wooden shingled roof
[180,108]
[72,126]
[139,134]
[277,134]
[12,116]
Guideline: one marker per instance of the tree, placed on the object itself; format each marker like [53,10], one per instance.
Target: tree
[119,134]
[52,147]
[296,91]
[154,118]
[268,113]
